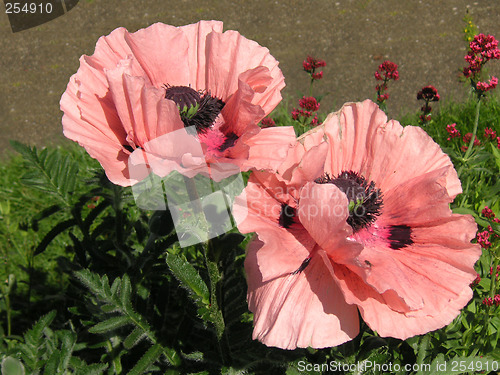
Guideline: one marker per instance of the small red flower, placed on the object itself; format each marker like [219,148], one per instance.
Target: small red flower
[310,64]
[490,134]
[318,75]
[476,281]
[267,122]
[429,94]
[314,121]
[488,301]
[496,299]
[467,137]
[310,103]
[313,63]
[386,71]
[491,271]
[487,212]
[452,131]
[486,86]
[483,238]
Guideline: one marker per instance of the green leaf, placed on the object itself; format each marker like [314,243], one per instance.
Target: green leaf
[496,154]
[12,366]
[147,360]
[93,369]
[68,339]
[53,233]
[34,336]
[48,171]
[134,338]
[189,278]
[110,324]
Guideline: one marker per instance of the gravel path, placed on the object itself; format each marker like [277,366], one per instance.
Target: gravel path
[354,36]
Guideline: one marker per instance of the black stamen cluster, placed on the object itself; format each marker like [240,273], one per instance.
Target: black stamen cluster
[209,107]
[367,199]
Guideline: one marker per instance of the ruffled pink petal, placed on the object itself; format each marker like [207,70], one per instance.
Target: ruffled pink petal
[384,313]
[419,200]
[230,54]
[258,209]
[323,211]
[89,109]
[268,148]
[304,309]
[309,167]
[362,140]
[196,35]
[110,154]
[240,115]
[162,51]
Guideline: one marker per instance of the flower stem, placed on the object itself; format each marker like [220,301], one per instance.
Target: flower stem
[474,132]
[493,282]
[473,138]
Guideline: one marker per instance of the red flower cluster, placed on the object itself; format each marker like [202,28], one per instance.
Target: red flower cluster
[491,271]
[452,131]
[298,114]
[483,238]
[308,105]
[428,94]
[490,134]
[488,301]
[481,49]
[386,71]
[309,102]
[310,65]
[488,212]
[486,86]
[467,137]
[267,122]
[476,281]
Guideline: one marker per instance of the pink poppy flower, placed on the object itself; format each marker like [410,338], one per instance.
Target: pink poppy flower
[177,98]
[357,219]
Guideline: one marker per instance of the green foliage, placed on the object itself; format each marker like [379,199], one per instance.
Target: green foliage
[43,351]
[128,299]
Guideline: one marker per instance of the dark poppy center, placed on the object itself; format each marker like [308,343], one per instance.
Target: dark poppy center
[195,108]
[183,96]
[365,200]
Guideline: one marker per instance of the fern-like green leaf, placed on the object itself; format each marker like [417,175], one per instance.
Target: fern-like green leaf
[49,171]
[53,233]
[134,338]
[189,278]
[94,369]
[32,349]
[147,360]
[118,298]
[110,324]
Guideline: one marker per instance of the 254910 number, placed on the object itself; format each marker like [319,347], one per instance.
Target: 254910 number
[16,8]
